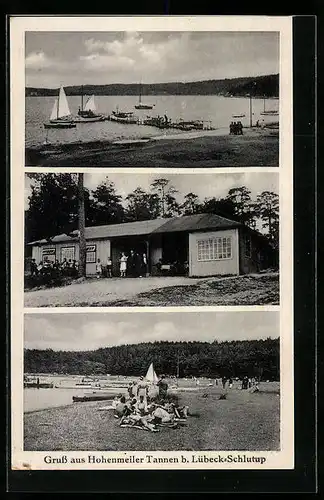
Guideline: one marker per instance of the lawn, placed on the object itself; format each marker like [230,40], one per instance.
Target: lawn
[243,421]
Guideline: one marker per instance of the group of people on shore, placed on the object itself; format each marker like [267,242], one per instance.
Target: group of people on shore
[141,410]
[236,128]
[246,382]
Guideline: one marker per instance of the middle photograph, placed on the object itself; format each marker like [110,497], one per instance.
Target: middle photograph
[151,239]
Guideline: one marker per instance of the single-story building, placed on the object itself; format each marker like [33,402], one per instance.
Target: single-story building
[204,244]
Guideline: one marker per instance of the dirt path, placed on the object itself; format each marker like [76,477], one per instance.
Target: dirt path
[100,292]
[253,289]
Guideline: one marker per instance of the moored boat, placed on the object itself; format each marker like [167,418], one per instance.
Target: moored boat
[88,113]
[123,117]
[61,115]
[142,105]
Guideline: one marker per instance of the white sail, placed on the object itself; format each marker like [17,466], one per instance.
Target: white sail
[151,376]
[90,104]
[63,106]
[54,111]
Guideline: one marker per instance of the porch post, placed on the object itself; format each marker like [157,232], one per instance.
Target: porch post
[148,262]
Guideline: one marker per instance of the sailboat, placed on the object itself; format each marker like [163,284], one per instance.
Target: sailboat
[87,112]
[270,112]
[61,115]
[140,104]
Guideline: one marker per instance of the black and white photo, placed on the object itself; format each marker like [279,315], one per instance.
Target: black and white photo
[152,99]
[176,239]
[160,382]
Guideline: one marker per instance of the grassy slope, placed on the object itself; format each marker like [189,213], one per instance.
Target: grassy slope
[243,421]
[240,290]
[247,150]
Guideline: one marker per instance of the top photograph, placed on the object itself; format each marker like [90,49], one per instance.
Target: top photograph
[152,99]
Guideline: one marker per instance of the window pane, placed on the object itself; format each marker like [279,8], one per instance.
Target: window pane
[214,249]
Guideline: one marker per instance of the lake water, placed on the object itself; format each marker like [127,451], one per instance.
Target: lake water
[40,399]
[215,109]
[60,395]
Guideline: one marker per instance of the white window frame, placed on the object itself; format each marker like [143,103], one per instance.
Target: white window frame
[67,258]
[208,255]
[93,260]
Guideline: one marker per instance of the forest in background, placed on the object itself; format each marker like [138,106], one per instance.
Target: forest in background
[257,86]
[53,206]
[253,358]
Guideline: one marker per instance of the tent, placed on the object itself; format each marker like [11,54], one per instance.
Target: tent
[151,376]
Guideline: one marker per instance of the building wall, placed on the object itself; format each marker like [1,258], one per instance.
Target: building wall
[255,254]
[71,250]
[213,267]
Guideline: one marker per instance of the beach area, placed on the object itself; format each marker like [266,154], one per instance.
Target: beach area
[207,148]
[243,421]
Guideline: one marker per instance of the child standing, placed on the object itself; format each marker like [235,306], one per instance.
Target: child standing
[109,267]
[99,268]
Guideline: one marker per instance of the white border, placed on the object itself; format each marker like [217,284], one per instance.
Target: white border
[23,460]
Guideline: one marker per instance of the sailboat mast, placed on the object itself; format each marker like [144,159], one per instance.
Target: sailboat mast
[81,97]
[263,103]
[140,93]
[58,104]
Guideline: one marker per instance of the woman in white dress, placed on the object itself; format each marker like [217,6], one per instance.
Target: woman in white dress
[123,265]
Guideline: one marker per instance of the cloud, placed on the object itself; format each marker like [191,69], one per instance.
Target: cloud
[133,50]
[37,60]
[78,332]
[99,62]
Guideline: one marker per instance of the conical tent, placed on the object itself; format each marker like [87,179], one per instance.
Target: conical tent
[151,376]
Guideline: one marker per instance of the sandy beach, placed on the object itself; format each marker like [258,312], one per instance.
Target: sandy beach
[208,148]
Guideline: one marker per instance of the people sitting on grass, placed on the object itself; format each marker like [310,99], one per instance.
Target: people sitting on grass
[148,414]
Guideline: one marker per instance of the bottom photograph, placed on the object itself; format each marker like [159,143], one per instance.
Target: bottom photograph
[152,381]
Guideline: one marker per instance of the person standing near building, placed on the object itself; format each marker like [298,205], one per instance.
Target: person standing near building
[99,268]
[131,263]
[109,267]
[123,265]
[33,268]
[144,270]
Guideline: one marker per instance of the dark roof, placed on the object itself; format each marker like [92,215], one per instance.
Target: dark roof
[197,222]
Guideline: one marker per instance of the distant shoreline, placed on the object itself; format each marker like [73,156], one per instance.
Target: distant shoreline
[264,86]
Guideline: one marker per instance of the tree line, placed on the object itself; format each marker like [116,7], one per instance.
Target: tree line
[54,201]
[258,86]
[253,358]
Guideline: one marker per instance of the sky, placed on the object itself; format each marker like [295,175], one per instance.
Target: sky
[204,185]
[74,58]
[90,331]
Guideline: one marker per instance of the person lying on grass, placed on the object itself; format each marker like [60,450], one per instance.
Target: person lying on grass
[179,412]
[137,420]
